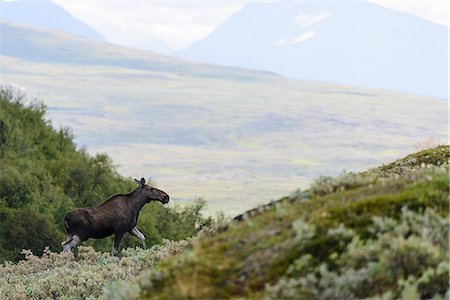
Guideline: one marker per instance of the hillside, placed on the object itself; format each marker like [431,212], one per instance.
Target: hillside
[233,136]
[382,233]
[45,14]
[51,46]
[358,43]
[43,175]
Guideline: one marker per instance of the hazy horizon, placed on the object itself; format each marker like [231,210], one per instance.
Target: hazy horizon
[233,136]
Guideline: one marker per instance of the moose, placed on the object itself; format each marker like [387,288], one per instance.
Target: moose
[117,215]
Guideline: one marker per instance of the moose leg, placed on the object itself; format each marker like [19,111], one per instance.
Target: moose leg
[117,240]
[69,239]
[139,235]
[71,243]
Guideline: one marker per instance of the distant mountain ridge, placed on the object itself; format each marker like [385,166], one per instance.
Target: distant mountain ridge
[45,14]
[43,45]
[360,44]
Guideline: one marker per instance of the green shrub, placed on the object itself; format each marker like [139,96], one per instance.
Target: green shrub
[43,175]
[60,275]
[407,256]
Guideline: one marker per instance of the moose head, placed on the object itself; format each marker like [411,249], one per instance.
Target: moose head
[117,215]
[151,193]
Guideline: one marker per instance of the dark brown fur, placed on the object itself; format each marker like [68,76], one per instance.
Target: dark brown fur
[117,215]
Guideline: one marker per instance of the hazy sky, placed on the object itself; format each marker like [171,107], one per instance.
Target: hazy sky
[180,23]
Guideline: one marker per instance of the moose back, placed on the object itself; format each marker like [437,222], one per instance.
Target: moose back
[117,215]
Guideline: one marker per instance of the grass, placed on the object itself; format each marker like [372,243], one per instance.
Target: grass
[253,254]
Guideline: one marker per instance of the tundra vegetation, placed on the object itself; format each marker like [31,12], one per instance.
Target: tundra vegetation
[43,175]
[379,234]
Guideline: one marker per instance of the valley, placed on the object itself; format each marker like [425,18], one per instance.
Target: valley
[235,137]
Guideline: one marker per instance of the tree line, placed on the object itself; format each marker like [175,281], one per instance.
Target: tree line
[43,175]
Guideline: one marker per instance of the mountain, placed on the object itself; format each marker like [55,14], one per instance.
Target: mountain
[45,14]
[357,43]
[33,44]
[151,44]
[233,136]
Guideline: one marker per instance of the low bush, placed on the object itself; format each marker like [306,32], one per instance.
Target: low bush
[407,257]
[60,275]
[377,234]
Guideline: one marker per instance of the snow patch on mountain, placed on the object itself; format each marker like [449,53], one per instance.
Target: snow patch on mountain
[295,39]
[354,43]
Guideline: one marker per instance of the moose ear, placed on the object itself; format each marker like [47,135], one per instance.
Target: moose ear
[142,180]
[137,181]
